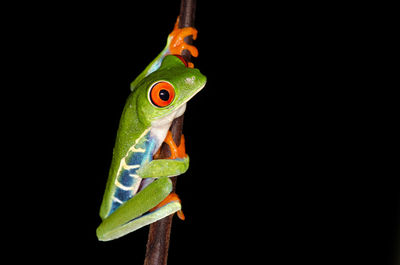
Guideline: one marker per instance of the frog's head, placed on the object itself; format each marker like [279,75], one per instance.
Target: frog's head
[163,94]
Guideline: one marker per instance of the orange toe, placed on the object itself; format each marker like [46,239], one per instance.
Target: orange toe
[177,40]
[176,152]
[172,197]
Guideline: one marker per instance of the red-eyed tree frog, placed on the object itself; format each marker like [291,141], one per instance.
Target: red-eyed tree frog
[138,190]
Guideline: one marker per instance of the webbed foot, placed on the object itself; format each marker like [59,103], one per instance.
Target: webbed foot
[176,40]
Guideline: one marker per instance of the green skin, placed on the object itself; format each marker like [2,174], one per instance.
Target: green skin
[139,116]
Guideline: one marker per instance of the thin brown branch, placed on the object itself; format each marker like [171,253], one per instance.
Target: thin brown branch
[159,232]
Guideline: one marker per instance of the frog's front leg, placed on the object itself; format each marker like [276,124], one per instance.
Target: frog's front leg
[176,164]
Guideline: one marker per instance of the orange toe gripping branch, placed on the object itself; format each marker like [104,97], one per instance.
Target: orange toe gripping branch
[177,44]
[176,152]
[172,197]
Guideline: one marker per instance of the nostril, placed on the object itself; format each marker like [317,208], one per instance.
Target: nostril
[190,80]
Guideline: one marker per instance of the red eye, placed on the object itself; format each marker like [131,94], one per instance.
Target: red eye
[162,94]
[182,59]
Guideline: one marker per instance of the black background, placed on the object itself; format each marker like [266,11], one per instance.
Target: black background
[282,166]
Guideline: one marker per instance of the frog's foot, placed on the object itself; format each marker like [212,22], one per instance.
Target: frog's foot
[172,197]
[176,151]
[176,40]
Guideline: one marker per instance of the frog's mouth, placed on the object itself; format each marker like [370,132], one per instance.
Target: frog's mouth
[179,110]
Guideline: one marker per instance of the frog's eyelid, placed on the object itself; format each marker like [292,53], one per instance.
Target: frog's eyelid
[182,59]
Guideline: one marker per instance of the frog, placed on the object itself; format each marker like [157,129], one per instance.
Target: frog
[139,189]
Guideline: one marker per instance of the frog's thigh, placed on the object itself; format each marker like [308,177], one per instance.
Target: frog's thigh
[164,168]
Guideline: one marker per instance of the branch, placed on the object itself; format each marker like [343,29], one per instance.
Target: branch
[159,232]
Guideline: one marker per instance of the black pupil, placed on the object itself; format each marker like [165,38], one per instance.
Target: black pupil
[164,95]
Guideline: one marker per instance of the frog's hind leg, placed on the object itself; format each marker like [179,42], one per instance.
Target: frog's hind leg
[146,207]
[157,214]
